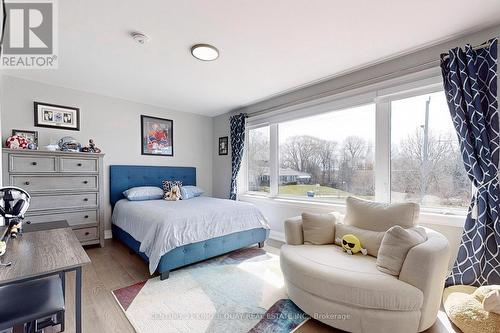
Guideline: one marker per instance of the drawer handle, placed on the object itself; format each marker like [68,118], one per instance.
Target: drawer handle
[86,216]
[34,163]
[79,164]
[86,199]
[26,183]
[87,233]
[85,181]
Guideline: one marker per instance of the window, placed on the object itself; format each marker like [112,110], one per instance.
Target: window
[392,145]
[258,154]
[329,156]
[426,165]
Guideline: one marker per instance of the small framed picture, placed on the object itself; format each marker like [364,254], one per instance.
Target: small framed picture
[57,116]
[223,145]
[157,136]
[31,136]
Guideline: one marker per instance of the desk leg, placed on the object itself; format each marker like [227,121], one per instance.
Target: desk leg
[78,300]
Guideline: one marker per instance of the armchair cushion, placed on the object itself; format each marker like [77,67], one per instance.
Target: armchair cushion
[376,216]
[395,246]
[294,235]
[319,229]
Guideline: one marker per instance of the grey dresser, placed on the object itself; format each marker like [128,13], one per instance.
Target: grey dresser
[63,185]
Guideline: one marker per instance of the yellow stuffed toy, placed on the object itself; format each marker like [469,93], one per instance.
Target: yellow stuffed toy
[352,245]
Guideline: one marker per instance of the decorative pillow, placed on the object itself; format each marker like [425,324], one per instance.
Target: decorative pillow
[395,246]
[463,306]
[318,229]
[376,216]
[189,192]
[491,301]
[168,184]
[370,240]
[143,193]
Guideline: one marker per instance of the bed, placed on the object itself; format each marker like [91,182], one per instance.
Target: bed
[168,234]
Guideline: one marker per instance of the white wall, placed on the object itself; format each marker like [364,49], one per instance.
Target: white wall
[222,164]
[114,124]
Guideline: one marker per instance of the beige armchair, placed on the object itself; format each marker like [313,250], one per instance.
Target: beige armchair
[350,293]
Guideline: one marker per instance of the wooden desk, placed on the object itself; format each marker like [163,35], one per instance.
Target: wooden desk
[43,253]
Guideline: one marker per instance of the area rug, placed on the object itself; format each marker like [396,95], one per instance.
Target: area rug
[239,292]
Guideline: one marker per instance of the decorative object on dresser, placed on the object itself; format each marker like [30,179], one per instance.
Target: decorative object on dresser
[223,145]
[16,142]
[31,136]
[157,136]
[57,116]
[91,148]
[63,186]
[69,143]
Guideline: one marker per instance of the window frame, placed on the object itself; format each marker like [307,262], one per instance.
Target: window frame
[381,95]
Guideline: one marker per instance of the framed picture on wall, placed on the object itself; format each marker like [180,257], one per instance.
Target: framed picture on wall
[157,136]
[31,136]
[57,116]
[223,145]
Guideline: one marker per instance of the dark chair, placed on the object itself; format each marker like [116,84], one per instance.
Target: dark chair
[36,304]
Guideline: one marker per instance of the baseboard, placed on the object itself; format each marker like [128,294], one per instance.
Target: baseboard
[108,234]
[277,236]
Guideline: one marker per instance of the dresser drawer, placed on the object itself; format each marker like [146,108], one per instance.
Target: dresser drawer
[62,201]
[86,234]
[69,164]
[28,163]
[73,218]
[55,183]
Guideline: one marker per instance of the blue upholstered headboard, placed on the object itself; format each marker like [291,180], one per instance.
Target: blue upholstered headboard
[123,177]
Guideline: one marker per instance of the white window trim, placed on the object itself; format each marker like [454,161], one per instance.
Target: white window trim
[381,94]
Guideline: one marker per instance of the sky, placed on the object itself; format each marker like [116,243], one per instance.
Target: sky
[406,115]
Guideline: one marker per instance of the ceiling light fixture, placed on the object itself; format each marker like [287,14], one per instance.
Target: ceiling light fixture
[139,37]
[204,52]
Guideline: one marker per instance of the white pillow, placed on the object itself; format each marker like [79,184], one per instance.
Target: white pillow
[378,216]
[395,245]
[491,302]
[189,192]
[318,229]
[143,193]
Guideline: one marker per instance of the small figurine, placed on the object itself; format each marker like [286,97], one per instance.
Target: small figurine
[91,148]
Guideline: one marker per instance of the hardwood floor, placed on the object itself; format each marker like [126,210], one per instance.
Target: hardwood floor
[114,267]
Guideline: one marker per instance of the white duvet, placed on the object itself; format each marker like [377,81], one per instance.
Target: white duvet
[161,226]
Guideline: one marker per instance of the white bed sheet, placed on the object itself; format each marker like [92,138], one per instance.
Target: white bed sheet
[161,226]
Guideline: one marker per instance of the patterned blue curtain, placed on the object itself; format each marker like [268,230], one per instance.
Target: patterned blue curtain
[237,145]
[470,82]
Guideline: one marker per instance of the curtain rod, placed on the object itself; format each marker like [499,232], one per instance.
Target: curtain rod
[477,47]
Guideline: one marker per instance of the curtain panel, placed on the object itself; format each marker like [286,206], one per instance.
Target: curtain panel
[237,124]
[470,82]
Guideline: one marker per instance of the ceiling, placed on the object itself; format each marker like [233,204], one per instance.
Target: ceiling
[266,46]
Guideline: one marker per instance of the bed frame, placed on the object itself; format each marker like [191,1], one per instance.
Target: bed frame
[123,177]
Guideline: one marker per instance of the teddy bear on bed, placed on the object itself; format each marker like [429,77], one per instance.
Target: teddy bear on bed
[174,194]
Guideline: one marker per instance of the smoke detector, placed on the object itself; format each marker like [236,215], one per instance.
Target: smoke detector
[139,37]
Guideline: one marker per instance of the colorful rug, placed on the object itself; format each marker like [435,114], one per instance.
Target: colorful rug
[239,292]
